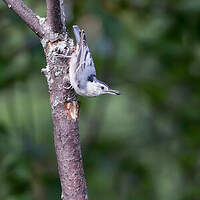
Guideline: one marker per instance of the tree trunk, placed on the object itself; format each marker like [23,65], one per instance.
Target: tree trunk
[65,113]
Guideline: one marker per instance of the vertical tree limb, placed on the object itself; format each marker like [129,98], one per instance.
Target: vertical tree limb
[55,18]
[65,114]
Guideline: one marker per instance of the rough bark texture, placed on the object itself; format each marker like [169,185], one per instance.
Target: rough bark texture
[56,15]
[58,48]
[65,113]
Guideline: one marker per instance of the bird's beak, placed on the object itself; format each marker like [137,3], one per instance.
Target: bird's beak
[115,92]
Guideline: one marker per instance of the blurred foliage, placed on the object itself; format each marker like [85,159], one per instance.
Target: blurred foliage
[144,144]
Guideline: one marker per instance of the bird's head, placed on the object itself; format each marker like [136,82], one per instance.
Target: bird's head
[96,88]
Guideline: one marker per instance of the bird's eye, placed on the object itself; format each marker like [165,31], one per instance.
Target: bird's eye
[102,87]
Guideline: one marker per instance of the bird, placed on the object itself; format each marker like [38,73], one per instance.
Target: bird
[82,73]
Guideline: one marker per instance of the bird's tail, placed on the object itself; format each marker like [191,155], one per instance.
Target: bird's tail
[79,35]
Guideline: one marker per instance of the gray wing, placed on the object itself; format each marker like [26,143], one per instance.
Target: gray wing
[85,64]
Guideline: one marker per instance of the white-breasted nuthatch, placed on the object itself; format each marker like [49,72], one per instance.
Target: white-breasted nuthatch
[82,72]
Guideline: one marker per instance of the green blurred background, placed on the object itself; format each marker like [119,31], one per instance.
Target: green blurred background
[144,144]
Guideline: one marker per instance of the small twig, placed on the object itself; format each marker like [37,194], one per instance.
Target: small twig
[56,16]
[27,15]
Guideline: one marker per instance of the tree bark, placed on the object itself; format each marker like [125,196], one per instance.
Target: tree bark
[65,113]
[58,47]
[56,15]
